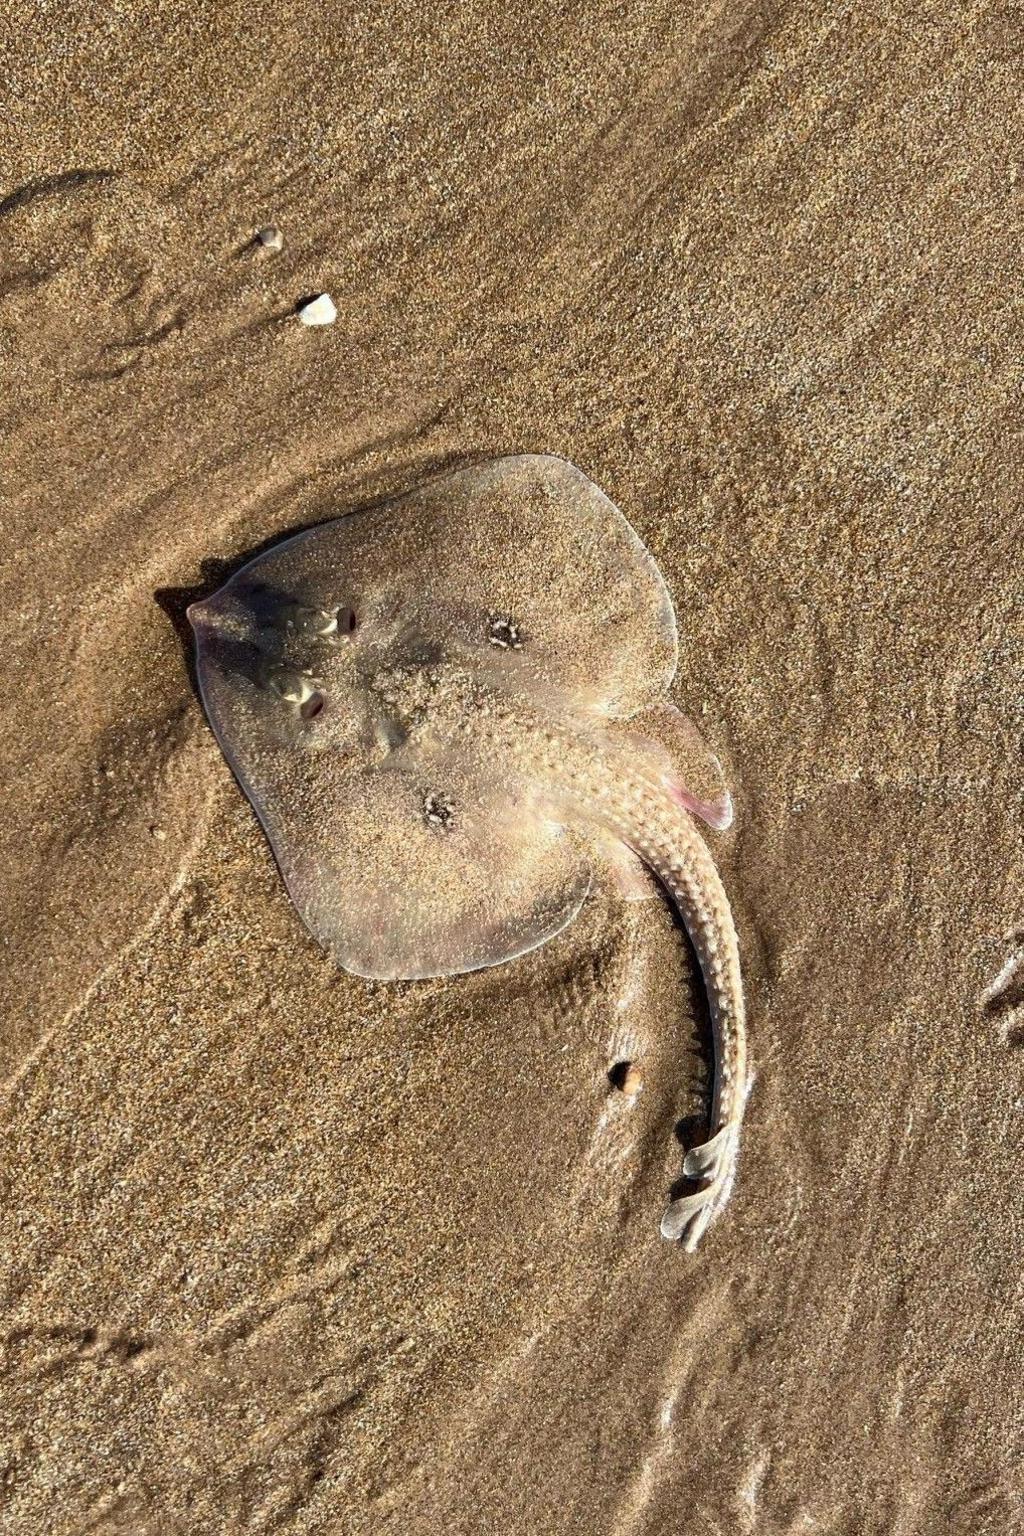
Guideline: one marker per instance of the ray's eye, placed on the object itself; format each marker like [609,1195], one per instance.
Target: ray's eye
[292,686]
[313,706]
[299,619]
[322,623]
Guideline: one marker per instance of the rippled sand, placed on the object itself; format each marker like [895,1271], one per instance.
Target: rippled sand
[284,1251]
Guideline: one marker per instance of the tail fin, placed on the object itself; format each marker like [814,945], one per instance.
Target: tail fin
[688,1218]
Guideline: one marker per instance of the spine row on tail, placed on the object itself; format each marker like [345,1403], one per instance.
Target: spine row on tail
[667,840]
[691,878]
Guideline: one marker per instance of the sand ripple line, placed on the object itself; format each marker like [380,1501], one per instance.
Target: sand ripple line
[156,916]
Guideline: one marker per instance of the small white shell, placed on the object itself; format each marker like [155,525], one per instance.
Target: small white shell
[271,238]
[319,311]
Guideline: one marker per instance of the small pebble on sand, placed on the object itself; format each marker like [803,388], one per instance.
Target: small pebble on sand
[632,1082]
[319,311]
[627,1078]
[270,237]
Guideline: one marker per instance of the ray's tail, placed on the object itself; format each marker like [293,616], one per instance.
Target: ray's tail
[689,875]
[629,794]
[665,837]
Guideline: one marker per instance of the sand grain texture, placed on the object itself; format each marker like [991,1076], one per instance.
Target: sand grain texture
[283,1251]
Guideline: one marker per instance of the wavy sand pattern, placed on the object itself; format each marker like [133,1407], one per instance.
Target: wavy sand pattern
[286,1251]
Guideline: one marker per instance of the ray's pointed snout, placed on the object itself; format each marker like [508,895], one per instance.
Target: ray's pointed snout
[200,614]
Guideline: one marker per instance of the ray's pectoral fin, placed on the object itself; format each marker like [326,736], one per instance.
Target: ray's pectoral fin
[688,1217]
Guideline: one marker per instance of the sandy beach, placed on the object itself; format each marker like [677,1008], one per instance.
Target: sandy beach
[286,1251]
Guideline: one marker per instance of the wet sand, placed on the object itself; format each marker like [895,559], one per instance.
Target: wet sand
[285,1251]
